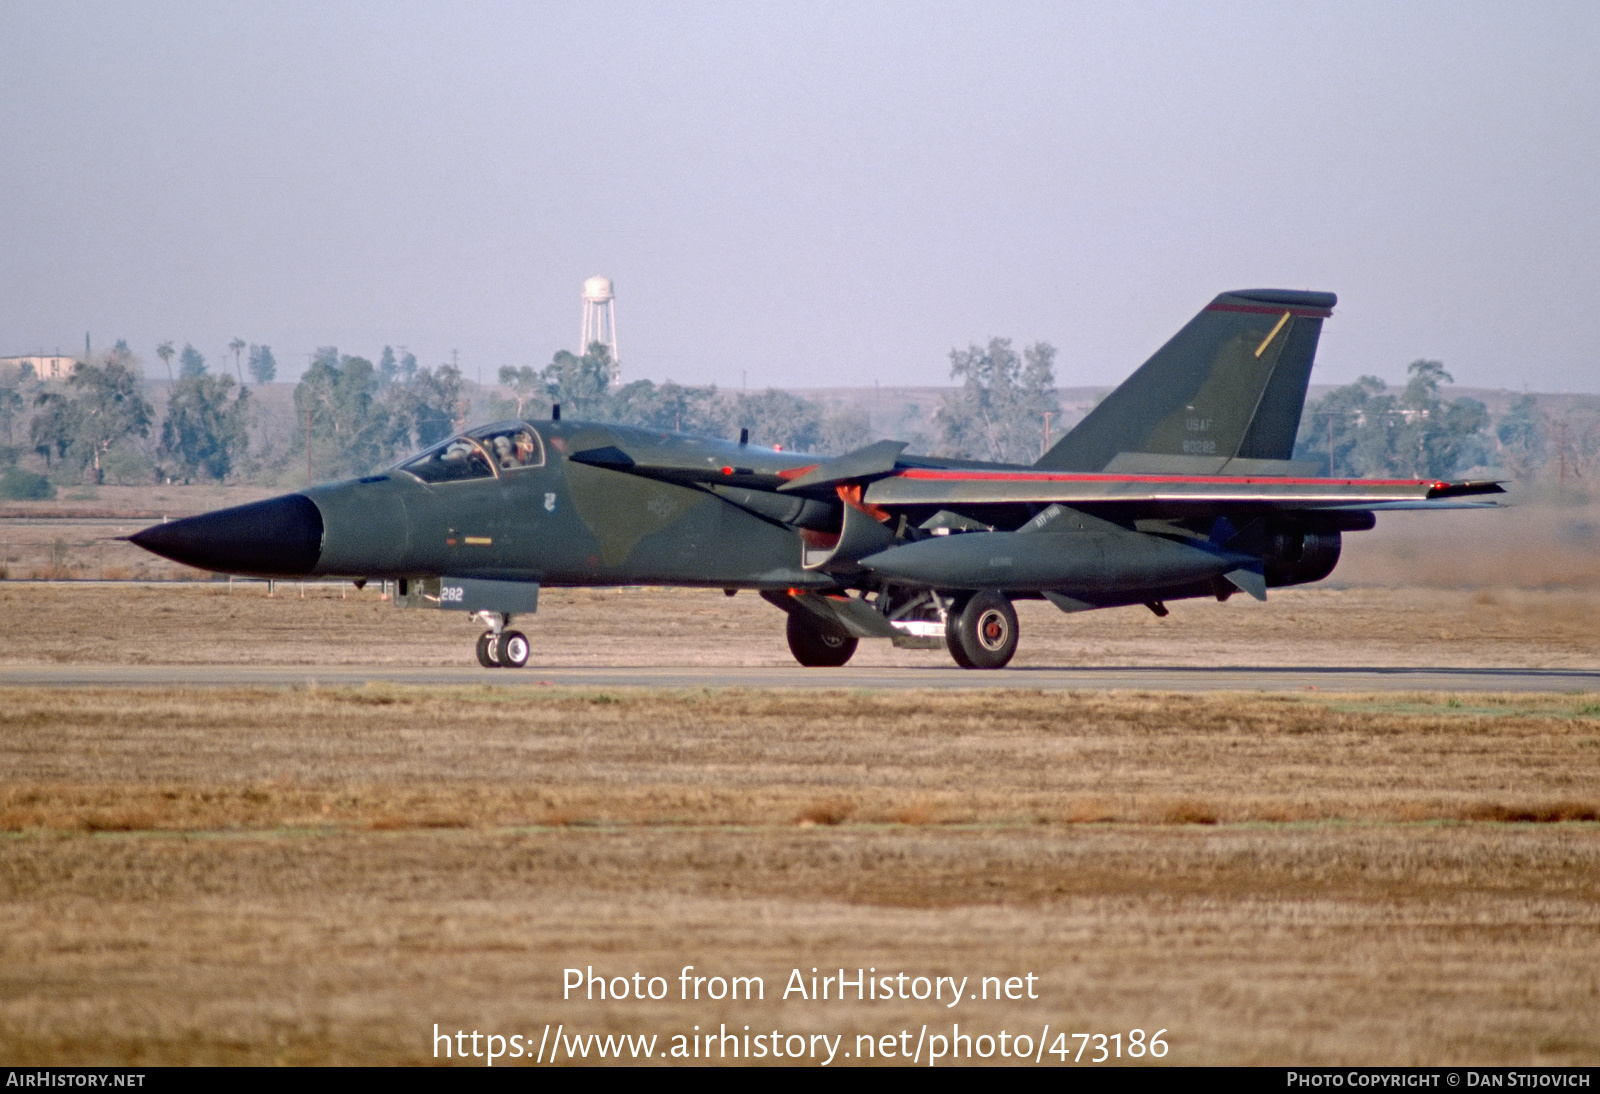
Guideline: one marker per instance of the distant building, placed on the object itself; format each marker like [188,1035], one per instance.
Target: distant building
[45,367]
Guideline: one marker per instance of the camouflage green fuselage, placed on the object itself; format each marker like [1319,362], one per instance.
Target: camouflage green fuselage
[566,522]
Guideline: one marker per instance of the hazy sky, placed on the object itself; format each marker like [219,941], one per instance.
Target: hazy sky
[818,194]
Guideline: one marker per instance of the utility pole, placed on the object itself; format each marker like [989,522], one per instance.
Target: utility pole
[1046,433]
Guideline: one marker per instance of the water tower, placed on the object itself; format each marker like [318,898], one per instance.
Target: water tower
[600,321]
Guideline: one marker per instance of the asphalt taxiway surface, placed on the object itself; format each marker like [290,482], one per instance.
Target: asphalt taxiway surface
[1153,678]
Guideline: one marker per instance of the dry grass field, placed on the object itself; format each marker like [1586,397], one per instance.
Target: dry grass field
[322,875]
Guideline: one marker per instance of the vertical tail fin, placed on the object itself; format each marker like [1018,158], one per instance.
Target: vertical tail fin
[1229,386]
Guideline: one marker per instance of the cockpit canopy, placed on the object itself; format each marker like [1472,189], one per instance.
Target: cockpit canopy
[480,454]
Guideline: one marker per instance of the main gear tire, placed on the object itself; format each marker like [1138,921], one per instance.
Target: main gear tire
[514,649]
[488,655]
[983,634]
[816,648]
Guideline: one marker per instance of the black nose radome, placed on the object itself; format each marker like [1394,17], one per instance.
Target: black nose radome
[277,538]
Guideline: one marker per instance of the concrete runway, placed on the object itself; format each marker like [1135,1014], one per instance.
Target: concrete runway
[1155,678]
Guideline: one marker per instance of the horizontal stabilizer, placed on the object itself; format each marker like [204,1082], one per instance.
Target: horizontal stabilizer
[1445,503]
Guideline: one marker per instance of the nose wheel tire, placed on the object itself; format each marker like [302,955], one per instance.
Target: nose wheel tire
[513,649]
[488,654]
[816,648]
[983,634]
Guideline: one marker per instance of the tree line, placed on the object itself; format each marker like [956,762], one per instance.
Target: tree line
[1367,430]
[352,416]
[582,385]
[99,423]
[997,413]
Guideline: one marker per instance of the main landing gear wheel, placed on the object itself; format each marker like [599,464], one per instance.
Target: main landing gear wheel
[816,648]
[513,649]
[983,634]
[488,655]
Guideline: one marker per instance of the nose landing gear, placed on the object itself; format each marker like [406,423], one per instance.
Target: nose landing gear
[513,650]
[500,648]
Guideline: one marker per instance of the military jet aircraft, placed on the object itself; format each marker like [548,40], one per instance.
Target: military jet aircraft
[1178,484]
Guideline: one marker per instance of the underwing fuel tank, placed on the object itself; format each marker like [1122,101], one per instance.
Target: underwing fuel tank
[1061,549]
